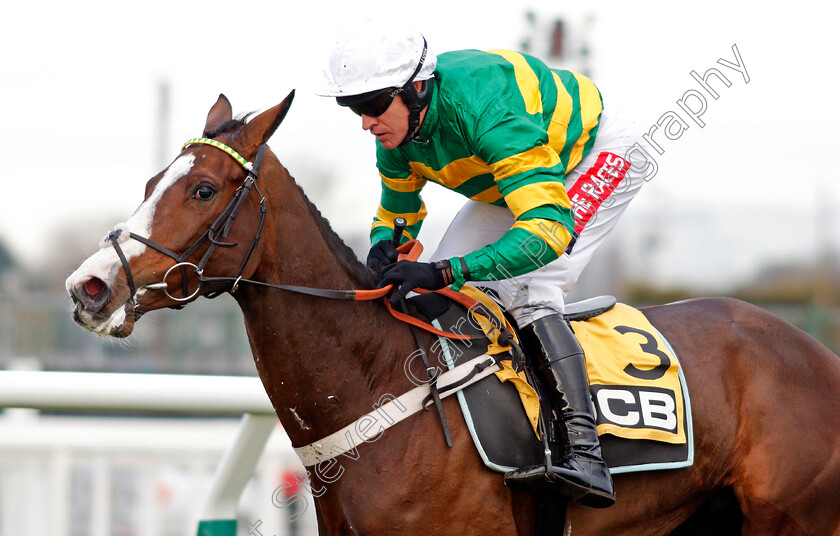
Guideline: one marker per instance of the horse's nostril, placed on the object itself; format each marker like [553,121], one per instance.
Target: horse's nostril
[94,286]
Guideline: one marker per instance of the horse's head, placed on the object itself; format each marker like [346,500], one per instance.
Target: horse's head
[203,212]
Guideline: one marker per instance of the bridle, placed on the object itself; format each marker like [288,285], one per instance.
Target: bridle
[215,234]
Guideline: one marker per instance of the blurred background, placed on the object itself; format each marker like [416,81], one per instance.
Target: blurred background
[99,96]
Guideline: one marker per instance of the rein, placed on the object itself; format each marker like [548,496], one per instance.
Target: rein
[219,230]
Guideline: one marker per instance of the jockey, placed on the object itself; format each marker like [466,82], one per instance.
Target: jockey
[545,169]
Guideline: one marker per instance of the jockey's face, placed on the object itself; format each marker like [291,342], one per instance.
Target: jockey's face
[391,127]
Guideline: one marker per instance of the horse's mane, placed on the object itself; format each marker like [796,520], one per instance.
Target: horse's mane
[345,255]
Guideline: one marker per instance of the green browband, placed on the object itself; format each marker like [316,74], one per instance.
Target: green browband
[219,145]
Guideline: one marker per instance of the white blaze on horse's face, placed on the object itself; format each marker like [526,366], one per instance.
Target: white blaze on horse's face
[141,221]
[104,264]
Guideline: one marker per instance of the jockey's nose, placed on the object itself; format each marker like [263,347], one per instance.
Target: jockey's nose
[91,294]
[367,122]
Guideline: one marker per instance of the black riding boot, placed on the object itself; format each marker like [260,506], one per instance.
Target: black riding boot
[583,475]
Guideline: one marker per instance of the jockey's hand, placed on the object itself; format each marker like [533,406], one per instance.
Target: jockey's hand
[382,254]
[408,275]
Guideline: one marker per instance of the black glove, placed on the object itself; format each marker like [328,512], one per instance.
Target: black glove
[382,254]
[408,275]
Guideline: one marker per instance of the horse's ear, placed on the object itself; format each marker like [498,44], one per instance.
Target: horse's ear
[220,112]
[259,129]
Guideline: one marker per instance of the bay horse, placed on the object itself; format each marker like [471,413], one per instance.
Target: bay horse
[764,395]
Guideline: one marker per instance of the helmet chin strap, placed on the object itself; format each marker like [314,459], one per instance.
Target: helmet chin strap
[413,123]
[415,101]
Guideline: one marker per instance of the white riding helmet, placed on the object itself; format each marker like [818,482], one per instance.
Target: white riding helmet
[375,55]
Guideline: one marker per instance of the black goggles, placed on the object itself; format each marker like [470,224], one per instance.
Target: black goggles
[372,104]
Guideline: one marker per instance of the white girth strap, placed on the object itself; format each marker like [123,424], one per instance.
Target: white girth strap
[369,427]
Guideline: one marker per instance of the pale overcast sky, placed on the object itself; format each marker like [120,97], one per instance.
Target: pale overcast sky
[79,87]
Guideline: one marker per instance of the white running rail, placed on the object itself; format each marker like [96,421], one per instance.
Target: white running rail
[163,393]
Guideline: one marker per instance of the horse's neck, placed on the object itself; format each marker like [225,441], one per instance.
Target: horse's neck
[324,363]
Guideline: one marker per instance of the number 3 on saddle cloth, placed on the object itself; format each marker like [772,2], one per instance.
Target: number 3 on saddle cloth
[640,395]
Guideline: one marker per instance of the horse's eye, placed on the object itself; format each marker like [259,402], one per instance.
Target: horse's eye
[204,192]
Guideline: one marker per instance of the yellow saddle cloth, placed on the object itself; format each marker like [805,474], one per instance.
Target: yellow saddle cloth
[633,374]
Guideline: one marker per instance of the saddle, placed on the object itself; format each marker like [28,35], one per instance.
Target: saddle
[643,408]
